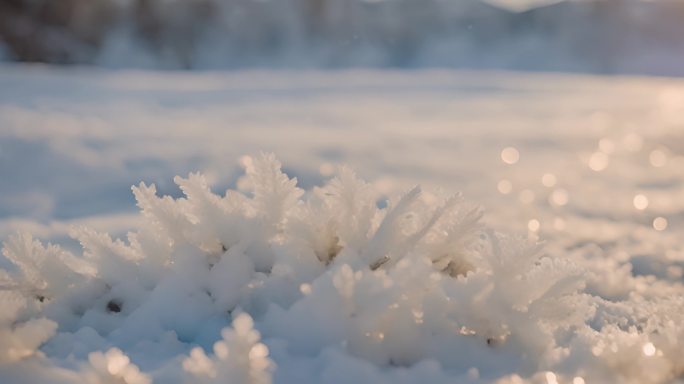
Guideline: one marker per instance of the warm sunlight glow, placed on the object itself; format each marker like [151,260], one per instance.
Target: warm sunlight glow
[649,349]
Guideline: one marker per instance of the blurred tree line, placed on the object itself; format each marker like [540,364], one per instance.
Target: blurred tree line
[598,35]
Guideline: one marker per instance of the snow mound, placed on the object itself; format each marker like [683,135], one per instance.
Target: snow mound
[285,285]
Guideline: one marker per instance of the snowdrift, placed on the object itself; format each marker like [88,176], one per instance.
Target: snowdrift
[285,285]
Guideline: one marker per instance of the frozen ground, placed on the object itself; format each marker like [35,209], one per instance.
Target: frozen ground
[593,166]
[72,142]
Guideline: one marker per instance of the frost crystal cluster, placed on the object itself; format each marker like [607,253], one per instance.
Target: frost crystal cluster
[287,286]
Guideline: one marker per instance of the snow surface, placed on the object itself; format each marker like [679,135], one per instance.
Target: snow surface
[591,166]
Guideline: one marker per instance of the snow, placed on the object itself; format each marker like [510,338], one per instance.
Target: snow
[562,259]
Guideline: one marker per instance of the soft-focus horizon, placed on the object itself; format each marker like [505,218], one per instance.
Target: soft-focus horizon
[595,36]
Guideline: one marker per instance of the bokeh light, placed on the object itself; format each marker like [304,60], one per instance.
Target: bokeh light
[640,202]
[549,180]
[657,158]
[533,225]
[660,223]
[649,349]
[598,161]
[559,197]
[510,155]
[504,186]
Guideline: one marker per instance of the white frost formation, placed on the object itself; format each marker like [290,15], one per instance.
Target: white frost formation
[341,290]
[240,357]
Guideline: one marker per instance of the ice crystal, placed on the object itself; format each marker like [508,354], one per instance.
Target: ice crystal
[327,278]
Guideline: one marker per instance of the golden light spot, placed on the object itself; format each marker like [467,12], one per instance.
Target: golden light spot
[640,202]
[598,161]
[559,197]
[577,380]
[657,158]
[305,289]
[505,187]
[660,223]
[649,349]
[533,225]
[549,180]
[510,155]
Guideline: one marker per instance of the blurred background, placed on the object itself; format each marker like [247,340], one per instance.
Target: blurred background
[596,36]
[563,120]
